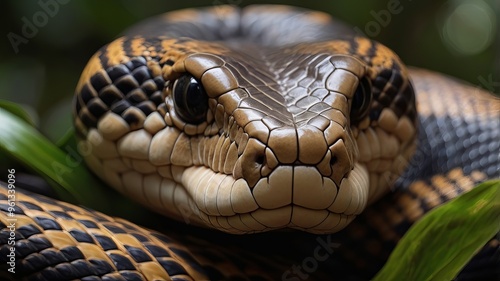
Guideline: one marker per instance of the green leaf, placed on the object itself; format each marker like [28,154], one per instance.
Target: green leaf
[27,145]
[17,110]
[439,245]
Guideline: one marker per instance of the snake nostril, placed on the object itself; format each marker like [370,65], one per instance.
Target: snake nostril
[260,159]
[333,160]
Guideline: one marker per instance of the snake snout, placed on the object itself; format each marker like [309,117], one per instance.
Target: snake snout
[295,174]
[303,146]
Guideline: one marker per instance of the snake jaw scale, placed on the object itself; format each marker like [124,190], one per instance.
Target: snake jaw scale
[154,123]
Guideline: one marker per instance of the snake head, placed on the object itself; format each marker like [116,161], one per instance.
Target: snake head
[245,138]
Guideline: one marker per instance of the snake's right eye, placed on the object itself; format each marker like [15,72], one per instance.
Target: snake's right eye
[362,99]
[190,100]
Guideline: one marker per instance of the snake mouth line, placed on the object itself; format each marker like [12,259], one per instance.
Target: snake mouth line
[290,197]
[292,216]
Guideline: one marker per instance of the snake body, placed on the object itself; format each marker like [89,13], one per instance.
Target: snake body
[251,120]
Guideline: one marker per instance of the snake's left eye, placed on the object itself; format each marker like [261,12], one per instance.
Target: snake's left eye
[190,100]
[361,100]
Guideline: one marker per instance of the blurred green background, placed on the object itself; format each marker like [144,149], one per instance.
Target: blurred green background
[458,37]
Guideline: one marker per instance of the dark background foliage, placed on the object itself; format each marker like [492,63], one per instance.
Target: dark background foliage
[457,37]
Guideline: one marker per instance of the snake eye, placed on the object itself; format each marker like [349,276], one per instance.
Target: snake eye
[190,100]
[361,100]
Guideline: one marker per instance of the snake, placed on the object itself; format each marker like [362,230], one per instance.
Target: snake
[268,120]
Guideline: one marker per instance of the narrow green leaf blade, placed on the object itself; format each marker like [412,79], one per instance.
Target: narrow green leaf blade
[17,110]
[26,144]
[439,245]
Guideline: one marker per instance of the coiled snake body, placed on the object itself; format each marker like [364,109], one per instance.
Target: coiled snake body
[251,120]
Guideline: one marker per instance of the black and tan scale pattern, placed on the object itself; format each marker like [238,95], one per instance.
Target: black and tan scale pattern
[59,241]
[55,240]
[369,240]
[459,140]
[128,90]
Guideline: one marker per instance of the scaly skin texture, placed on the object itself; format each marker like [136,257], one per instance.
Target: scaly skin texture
[280,146]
